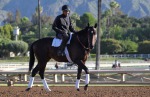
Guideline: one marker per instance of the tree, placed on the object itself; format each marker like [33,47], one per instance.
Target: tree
[106,22]
[129,46]
[74,18]
[107,15]
[1,32]
[35,19]
[145,22]
[9,18]
[35,16]
[25,25]
[4,52]
[24,20]
[6,31]
[114,5]
[29,37]
[46,20]
[138,34]
[18,17]
[86,18]
[144,47]
[116,32]
[110,46]
[41,9]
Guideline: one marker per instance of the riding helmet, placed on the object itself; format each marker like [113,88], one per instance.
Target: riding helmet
[65,7]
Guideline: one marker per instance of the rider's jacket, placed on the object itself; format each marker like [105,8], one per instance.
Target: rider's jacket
[62,24]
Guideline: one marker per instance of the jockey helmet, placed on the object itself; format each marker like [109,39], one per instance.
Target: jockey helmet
[65,7]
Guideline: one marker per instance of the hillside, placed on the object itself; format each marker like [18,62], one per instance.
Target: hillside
[135,8]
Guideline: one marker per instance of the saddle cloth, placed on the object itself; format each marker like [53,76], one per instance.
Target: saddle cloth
[57,42]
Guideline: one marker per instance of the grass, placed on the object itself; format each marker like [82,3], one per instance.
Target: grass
[26,59]
[14,59]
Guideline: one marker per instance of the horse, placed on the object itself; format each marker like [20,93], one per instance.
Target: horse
[79,48]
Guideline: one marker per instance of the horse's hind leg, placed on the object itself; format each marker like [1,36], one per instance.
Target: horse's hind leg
[34,72]
[41,73]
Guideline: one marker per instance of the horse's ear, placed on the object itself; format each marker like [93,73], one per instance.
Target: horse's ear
[95,26]
[88,25]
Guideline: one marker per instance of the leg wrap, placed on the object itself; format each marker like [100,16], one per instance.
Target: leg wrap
[45,83]
[77,83]
[31,82]
[87,79]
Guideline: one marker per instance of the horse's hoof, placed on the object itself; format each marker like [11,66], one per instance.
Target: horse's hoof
[78,89]
[28,89]
[48,90]
[86,87]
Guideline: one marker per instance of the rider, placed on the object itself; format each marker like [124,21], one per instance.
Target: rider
[62,26]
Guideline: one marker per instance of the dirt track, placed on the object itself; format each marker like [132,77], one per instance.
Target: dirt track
[102,91]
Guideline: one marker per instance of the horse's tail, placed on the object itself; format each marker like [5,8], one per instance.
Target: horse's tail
[32,58]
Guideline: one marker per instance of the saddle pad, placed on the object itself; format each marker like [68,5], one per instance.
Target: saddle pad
[56,42]
[67,55]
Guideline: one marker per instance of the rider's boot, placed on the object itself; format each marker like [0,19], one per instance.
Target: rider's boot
[62,48]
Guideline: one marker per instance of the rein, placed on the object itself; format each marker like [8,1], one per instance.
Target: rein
[86,48]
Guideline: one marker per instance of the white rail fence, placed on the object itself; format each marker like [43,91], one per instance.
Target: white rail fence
[69,76]
[51,65]
[126,56]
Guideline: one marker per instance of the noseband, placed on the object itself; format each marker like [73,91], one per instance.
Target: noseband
[86,48]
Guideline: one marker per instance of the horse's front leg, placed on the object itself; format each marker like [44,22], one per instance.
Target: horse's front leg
[81,65]
[78,77]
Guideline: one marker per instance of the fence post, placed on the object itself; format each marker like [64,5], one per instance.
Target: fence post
[123,77]
[55,78]
[62,77]
[25,77]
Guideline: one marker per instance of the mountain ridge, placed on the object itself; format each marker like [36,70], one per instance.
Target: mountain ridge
[134,8]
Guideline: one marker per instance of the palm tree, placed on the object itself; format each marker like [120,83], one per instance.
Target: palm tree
[74,18]
[114,5]
[107,14]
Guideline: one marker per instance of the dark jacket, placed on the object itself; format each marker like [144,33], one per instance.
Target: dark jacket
[62,24]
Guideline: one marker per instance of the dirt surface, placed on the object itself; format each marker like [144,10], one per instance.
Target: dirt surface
[68,91]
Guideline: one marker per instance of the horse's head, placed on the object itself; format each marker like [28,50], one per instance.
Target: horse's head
[91,35]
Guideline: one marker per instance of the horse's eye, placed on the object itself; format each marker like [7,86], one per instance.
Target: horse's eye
[92,32]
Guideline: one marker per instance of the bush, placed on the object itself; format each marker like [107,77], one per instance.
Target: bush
[17,47]
[4,52]
[144,47]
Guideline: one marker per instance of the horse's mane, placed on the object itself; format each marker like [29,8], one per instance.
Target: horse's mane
[81,31]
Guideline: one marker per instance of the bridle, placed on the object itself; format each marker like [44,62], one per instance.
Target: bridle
[86,48]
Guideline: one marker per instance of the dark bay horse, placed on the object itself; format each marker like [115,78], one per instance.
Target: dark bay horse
[80,46]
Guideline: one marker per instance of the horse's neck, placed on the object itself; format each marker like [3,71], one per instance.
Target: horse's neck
[82,37]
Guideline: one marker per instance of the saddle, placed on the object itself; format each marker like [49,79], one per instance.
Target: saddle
[57,42]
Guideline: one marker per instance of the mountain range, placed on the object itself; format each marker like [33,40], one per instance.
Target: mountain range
[134,8]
